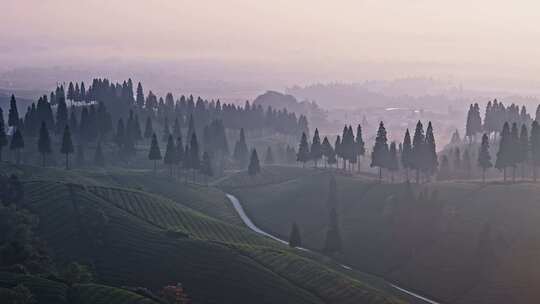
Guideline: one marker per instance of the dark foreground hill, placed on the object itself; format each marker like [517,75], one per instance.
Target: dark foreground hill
[140,230]
[460,242]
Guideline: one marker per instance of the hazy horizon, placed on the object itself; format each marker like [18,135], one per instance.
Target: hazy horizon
[291,41]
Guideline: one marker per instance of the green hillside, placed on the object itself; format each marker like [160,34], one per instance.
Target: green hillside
[48,291]
[461,242]
[135,237]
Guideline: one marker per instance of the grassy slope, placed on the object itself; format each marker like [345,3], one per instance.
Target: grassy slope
[47,291]
[219,262]
[473,244]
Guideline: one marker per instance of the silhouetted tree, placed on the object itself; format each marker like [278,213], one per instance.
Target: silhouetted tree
[379,155]
[303,150]
[406,154]
[524,149]
[431,160]
[360,145]
[13,115]
[44,142]
[67,145]
[154,153]
[140,97]
[515,150]
[393,162]
[241,152]
[484,159]
[254,166]
[316,149]
[418,159]
[295,239]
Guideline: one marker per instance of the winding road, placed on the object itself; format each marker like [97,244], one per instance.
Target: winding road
[247,221]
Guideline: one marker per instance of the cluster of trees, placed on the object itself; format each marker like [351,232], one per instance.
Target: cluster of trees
[347,147]
[418,154]
[496,114]
[120,97]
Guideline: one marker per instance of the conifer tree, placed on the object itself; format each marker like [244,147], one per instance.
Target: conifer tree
[316,149]
[154,153]
[294,238]
[241,153]
[170,154]
[393,162]
[524,149]
[327,150]
[269,156]
[303,151]
[406,154]
[431,160]
[13,116]
[379,155]
[206,166]
[44,142]
[140,98]
[418,150]
[70,92]
[148,129]
[360,145]
[99,159]
[254,167]
[3,135]
[67,145]
[535,146]
[484,159]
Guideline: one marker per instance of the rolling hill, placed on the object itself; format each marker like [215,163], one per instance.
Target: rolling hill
[139,229]
[459,242]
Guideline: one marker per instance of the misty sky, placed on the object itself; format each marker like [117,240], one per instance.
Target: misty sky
[478,37]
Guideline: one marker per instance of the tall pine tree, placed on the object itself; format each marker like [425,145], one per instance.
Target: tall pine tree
[254,166]
[303,150]
[484,159]
[418,150]
[170,154]
[406,154]
[316,149]
[379,155]
[3,135]
[154,153]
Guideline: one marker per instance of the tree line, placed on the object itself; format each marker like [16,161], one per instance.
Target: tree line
[418,154]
